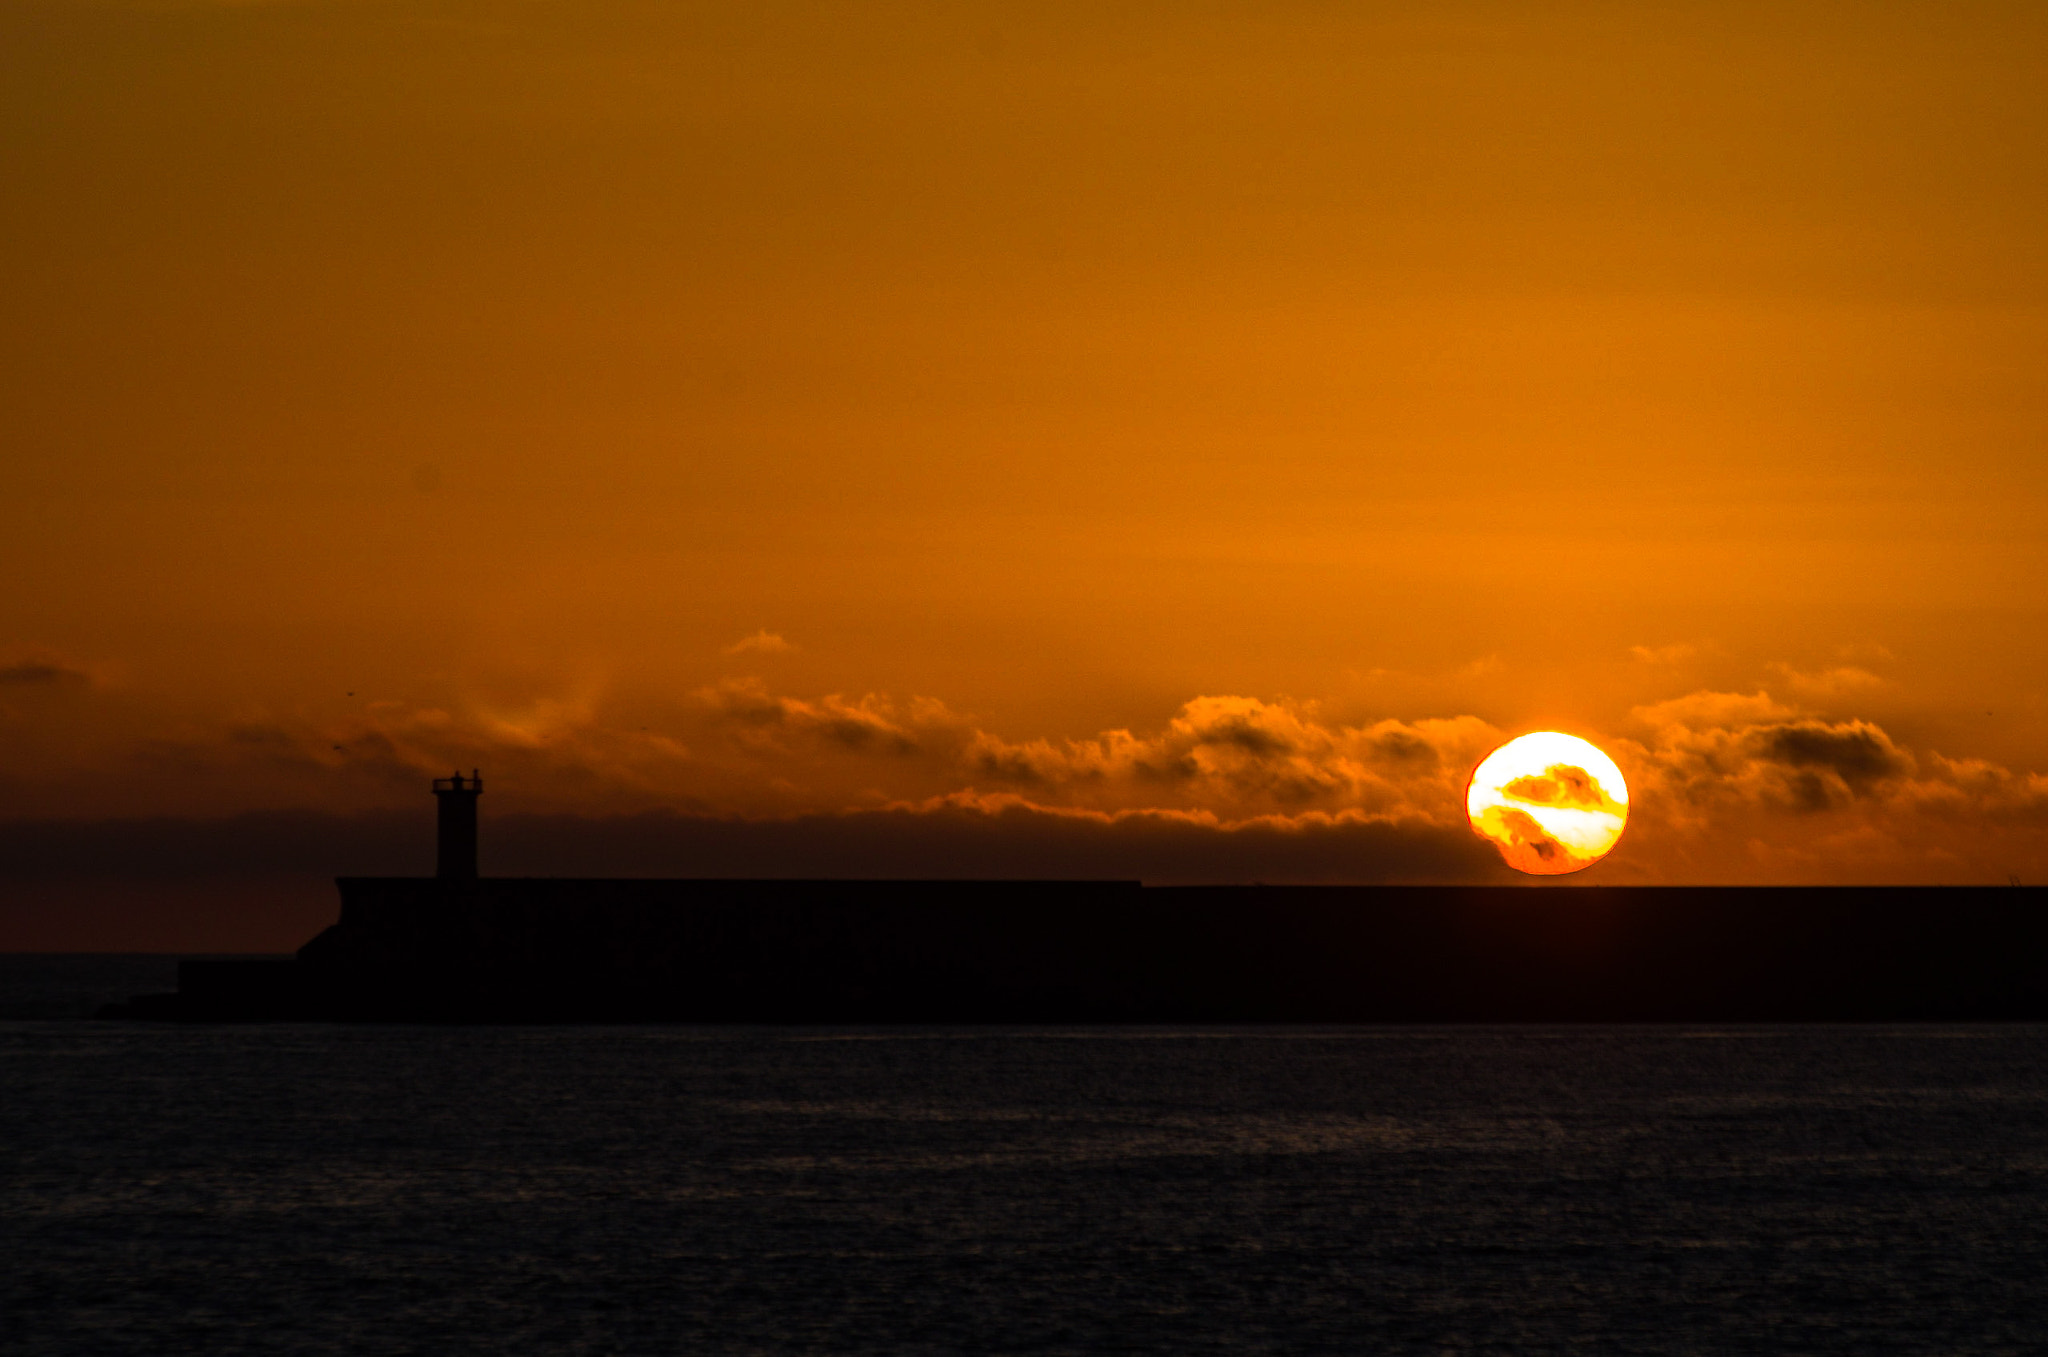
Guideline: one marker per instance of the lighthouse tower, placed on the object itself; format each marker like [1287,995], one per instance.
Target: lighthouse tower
[455,839]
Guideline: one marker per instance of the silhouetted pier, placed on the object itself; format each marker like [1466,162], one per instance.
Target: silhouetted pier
[457,947]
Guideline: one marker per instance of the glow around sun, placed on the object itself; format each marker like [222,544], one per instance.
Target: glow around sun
[1550,802]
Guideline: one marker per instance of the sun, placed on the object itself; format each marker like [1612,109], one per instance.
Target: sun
[1550,802]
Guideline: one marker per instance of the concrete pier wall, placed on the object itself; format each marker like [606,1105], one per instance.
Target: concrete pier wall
[957,951]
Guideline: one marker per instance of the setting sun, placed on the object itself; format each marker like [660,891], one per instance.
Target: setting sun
[1552,803]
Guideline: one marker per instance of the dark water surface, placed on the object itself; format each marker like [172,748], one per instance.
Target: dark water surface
[313,1189]
[43,985]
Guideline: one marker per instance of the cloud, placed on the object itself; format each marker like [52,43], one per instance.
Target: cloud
[1671,654]
[1011,837]
[1811,798]
[964,835]
[1243,756]
[42,672]
[1709,709]
[1855,751]
[1236,757]
[1233,757]
[1725,785]
[872,723]
[740,781]
[1564,785]
[257,844]
[261,882]
[559,750]
[1826,684]
[1977,790]
[760,643]
[1713,747]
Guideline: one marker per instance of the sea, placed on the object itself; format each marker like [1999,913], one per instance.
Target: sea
[286,1188]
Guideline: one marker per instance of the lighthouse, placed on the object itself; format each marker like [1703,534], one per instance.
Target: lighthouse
[455,837]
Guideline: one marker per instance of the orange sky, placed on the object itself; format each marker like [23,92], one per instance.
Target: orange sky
[1304,394]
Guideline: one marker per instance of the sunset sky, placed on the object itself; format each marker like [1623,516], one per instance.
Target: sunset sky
[1173,440]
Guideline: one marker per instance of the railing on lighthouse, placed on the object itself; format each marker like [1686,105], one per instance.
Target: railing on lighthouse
[455,837]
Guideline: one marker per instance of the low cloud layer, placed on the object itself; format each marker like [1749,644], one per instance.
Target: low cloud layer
[1727,786]
[42,669]
[1725,748]
[1738,786]
[259,882]
[762,642]
[953,837]
[1243,756]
